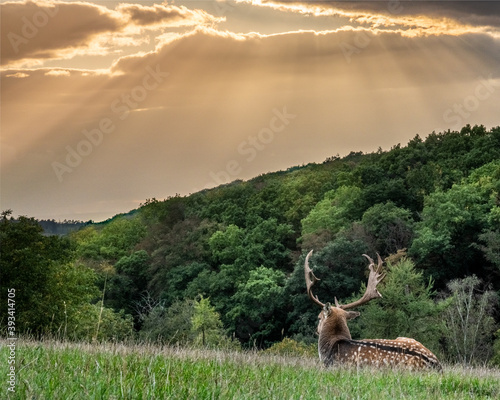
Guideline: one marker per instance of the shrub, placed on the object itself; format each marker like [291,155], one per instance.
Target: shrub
[469,322]
[290,347]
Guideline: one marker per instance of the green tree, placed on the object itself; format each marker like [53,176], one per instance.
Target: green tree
[185,322]
[226,204]
[125,287]
[113,241]
[206,323]
[34,265]
[178,255]
[390,227]
[406,309]
[490,246]
[171,325]
[336,211]
[53,292]
[258,305]
[235,253]
[299,192]
[226,245]
[452,220]
[268,243]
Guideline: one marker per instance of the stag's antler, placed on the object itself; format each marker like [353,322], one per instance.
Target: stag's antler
[311,280]
[371,288]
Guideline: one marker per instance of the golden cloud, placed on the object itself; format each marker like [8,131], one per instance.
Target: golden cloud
[33,32]
[412,18]
[199,95]
[166,15]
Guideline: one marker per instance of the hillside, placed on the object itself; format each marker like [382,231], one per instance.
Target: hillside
[53,227]
[242,245]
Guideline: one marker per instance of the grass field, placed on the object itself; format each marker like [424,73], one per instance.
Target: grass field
[55,370]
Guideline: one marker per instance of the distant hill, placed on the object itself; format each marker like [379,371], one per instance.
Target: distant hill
[52,227]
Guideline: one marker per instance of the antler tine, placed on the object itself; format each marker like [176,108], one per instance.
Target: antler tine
[372,266]
[374,279]
[378,272]
[311,280]
[379,266]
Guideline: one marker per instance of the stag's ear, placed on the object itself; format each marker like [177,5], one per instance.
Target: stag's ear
[352,314]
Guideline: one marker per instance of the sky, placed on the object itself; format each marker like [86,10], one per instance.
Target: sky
[105,104]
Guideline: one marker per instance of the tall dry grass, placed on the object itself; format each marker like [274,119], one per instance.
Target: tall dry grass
[63,370]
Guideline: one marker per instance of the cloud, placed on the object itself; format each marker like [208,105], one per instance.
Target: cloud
[201,95]
[17,75]
[476,13]
[413,15]
[347,51]
[166,15]
[217,76]
[33,32]
[58,72]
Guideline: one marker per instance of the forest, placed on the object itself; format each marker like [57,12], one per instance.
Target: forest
[224,267]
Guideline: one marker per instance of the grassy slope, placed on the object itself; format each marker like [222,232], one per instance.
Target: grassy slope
[54,370]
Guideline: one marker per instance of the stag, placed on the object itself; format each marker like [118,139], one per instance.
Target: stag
[335,344]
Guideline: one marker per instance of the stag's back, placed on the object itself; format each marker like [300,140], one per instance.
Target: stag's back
[382,352]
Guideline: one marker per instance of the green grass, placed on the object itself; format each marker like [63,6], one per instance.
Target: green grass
[55,370]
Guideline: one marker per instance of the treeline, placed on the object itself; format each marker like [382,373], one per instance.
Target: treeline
[61,228]
[225,265]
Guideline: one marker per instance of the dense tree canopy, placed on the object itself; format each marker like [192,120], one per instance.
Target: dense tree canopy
[242,245]
[53,294]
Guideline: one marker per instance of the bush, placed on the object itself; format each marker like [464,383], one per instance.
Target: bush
[290,347]
[94,322]
[186,322]
[169,325]
[469,322]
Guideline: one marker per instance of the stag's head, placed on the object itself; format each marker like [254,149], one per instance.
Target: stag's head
[333,319]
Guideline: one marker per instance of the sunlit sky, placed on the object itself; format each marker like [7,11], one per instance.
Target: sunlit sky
[105,104]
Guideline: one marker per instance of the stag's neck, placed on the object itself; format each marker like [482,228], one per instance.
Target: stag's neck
[332,332]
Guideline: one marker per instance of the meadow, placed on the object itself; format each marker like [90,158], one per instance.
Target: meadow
[63,370]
